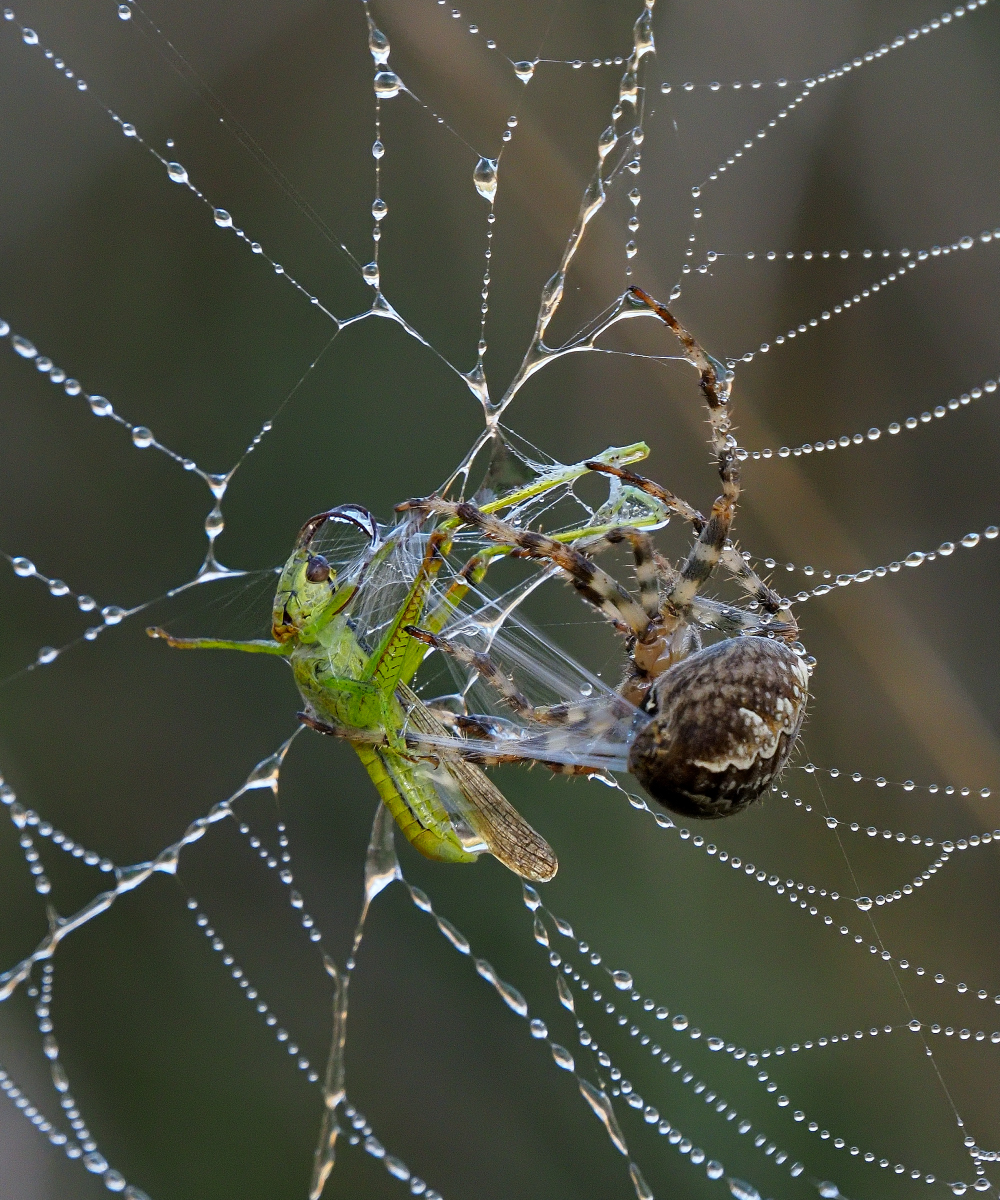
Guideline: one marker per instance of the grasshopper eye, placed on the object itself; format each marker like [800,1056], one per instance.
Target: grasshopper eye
[317,569]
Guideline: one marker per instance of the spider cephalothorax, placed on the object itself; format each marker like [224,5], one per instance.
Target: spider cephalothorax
[724,719]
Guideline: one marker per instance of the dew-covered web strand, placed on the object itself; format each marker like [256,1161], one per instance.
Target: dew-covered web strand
[264,776]
[914,1024]
[750,143]
[206,94]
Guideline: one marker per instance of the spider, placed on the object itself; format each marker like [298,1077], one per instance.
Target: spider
[724,718]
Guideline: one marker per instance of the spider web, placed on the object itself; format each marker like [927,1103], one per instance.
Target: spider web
[183,919]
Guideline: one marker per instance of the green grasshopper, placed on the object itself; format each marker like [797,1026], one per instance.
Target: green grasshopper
[448,809]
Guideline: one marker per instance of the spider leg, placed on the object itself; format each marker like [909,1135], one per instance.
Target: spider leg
[715,385]
[593,584]
[647,572]
[730,558]
[556,714]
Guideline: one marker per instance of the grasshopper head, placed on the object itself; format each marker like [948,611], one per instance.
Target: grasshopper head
[308,584]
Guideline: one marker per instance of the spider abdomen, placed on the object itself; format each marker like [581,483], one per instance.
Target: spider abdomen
[725,721]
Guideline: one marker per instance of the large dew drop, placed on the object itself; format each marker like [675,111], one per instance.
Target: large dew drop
[370,273]
[864,903]
[378,44]
[524,71]
[562,1057]
[601,1105]
[387,84]
[176,172]
[742,1190]
[485,178]
[622,980]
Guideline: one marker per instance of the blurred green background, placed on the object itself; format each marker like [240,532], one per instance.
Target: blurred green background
[123,280]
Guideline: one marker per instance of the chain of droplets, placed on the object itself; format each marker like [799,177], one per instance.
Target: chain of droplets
[622,980]
[808,89]
[361,1128]
[854,64]
[915,558]
[915,839]
[239,976]
[966,242]
[880,781]
[859,439]
[596,1098]
[680,1024]
[24,568]
[82,1147]
[175,171]
[948,848]
[796,891]
[264,775]
[25,818]
[142,439]
[525,69]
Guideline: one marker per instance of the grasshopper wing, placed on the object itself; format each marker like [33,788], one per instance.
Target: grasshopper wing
[507,835]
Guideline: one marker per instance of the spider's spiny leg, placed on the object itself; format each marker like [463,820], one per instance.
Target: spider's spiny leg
[646,571]
[769,600]
[730,558]
[594,585]
[497,679]
[667,498]
[708,547]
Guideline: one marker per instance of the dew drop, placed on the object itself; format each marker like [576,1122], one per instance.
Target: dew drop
[680,1022]
[23,566]
[829,1191]
[864,903]
[601,1105]
[222,218]
[46,655]
[129,129]
[622,980]
[95,1163]
[538,1028]
[176,172]
[565,995]
[142,437]
[124,12]
[379,209]
[378,44]
[377,149]
[562,1057]
[29,37]
[524,71]
[387,84]
[455,936]
[100,406]
[485,178]
[370,273]
[22,346]
[741,1190]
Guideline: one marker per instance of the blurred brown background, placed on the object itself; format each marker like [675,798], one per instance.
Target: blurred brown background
[123,280]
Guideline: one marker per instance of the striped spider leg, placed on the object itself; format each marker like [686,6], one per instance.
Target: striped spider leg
[725,718]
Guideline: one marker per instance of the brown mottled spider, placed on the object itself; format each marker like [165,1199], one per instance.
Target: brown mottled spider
[724,719]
